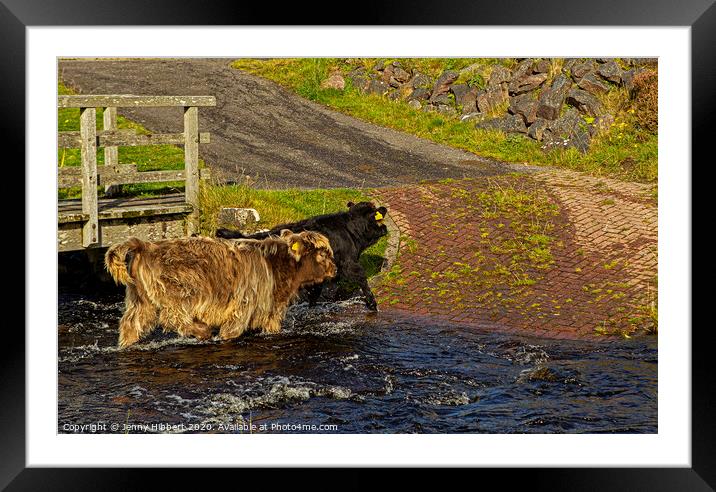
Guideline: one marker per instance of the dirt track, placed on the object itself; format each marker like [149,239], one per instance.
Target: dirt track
[262,130]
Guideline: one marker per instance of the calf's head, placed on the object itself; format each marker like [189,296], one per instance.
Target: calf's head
[313,255]
[367,221]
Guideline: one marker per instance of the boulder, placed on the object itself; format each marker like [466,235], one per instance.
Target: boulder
[524,68]
[465,96]
[378,87]
[335,81]
[469,101]
[569,63]
[420,94]
[445,109]
[442,85]
[552,98]
[393,82]
[360,82]
[527,84]
[610,71]
[491,98]
[570,130]
[421,81]
[394,95]
[441,99]
[510,123]
[579,70]
[525,106]
[585,102]
[388,76]
[379,66]
[499,75]
[628,80]
[580,140]
[394,75]
[415,104]
[537,129]
[591,83]
[459,90]
[481,101]
[237,218]
[567,124]
[401,75]
[542,66]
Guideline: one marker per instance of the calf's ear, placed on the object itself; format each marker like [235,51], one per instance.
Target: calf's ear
[350,204]
[296,247]
[286,233]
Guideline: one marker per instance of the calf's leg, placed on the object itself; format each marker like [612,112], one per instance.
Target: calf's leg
[274,322]
[181,321]
[139,319]
[232,330]
[314,292]
[355,273]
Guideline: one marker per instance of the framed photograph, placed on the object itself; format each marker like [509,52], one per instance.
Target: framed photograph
[439,244]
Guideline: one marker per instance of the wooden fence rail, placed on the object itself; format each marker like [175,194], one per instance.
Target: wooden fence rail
[125,138]
[89,176]
[129,101]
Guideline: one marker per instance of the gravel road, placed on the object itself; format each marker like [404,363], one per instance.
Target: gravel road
[264,131]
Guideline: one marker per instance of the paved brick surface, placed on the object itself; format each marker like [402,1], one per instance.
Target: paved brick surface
[555,254]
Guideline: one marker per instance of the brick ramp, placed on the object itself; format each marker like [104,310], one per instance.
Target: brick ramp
[554,254]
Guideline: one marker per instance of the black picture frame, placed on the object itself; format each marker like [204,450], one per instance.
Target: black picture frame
[700,15]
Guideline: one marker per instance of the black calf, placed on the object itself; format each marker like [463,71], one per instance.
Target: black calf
[349,233]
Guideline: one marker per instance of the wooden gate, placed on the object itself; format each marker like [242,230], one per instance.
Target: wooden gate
[93,222]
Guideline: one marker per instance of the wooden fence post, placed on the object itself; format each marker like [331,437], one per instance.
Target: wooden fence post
[88,152]
[111,155]
[191,165]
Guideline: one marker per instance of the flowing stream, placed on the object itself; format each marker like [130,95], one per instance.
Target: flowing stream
[337,369]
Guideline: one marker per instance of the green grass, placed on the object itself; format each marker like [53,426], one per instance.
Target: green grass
[146,158]
[624,151]
[281,206]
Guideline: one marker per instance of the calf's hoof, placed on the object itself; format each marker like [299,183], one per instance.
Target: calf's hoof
[126,342]
[371,304]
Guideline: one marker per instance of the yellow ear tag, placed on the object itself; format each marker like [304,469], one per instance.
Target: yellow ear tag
[294,247]
[378,216]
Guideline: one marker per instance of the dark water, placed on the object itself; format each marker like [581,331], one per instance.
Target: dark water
[337,365]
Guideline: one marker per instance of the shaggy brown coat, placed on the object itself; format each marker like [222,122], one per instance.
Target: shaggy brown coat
[191,285]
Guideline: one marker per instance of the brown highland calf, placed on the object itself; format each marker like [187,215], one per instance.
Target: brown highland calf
[192,285]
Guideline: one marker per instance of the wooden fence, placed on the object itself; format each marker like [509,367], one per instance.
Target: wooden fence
[81,227]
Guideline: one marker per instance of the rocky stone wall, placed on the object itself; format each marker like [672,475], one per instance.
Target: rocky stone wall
[554,101]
